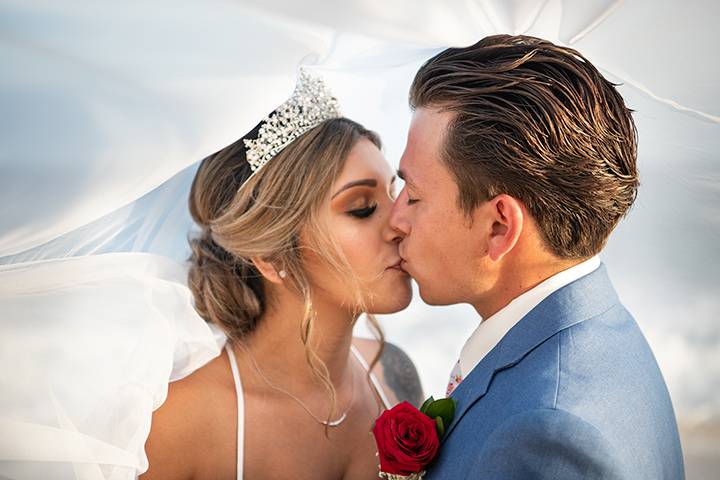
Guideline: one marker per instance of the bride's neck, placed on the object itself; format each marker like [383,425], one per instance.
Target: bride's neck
[277,347]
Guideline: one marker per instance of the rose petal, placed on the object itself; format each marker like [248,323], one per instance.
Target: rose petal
[406,439]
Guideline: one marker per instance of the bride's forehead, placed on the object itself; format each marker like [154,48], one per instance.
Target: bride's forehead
[365,161]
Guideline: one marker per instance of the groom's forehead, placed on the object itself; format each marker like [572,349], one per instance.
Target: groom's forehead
[421,160]
[428,130]
[429,124]
[411,168]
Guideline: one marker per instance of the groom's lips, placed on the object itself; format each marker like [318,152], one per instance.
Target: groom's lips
[403,263]
[397,266]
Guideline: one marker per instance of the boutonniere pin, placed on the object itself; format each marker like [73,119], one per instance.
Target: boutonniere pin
[408,439]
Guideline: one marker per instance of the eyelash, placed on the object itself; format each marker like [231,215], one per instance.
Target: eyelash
[363,212]
[410,201]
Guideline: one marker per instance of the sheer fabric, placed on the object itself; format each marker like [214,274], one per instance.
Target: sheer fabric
[108,107]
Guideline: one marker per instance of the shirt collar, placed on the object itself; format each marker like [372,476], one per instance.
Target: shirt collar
[491,330]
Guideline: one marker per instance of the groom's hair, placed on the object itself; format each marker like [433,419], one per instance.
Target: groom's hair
[537,122]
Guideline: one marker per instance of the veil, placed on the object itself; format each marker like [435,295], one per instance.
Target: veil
[109,106]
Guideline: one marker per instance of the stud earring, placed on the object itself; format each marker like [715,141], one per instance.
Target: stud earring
[282,273]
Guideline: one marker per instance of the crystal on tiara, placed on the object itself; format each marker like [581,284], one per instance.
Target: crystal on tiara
[309,105]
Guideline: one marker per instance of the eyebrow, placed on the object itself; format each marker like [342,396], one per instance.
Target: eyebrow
[368,182]
[403,176]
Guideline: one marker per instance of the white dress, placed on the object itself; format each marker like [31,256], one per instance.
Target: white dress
[241,404]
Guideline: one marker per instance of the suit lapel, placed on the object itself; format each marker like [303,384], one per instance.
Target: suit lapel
[576,302]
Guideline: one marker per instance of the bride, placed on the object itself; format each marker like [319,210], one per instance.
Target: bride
[294,246]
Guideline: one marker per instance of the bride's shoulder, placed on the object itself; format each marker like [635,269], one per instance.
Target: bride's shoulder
[394,370]
[191,419]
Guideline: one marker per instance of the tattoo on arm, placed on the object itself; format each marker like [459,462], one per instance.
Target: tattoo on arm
[401,375]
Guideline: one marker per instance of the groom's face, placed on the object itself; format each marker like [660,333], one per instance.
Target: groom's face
[441,247]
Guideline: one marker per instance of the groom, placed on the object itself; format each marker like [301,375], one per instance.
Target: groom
[520,161]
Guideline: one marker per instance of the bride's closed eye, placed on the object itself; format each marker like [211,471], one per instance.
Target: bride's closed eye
[363,212]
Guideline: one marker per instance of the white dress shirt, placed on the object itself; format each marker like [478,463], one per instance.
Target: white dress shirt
[491,330]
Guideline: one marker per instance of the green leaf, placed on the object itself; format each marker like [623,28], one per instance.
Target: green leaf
[426,404]
[440,426]
[444,408]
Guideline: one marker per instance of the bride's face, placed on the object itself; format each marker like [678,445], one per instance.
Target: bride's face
[357,219]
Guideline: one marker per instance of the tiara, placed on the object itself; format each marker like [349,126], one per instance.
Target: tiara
[310,104]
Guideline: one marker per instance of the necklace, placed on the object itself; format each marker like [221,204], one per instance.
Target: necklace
[331,423]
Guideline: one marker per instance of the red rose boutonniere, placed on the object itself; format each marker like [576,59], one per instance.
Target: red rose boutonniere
[408,439]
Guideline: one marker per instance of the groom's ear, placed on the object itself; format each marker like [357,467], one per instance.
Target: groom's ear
[507,223]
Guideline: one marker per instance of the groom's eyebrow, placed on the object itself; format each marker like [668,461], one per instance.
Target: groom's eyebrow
[403,176]
[367,182]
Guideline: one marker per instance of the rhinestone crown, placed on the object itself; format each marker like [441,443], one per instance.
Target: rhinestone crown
[310,104]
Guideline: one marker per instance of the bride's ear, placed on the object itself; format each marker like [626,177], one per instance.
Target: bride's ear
[268,270]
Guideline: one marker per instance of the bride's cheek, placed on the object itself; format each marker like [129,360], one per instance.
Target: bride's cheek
[350,251]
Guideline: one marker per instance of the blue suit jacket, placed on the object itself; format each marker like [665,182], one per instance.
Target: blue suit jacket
[572,391]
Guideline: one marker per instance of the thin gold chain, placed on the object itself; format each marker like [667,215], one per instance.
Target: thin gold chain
[331,423]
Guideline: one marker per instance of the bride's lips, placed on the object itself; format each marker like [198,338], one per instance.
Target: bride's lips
[397,266]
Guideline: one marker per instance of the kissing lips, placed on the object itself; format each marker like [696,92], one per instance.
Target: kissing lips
[397,266]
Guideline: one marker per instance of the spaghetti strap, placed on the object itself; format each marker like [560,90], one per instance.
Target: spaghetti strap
[373,379]
[240,411]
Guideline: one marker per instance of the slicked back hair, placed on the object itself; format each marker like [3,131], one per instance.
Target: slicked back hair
[538,122]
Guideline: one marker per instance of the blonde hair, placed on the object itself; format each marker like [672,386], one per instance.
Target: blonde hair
[264,219]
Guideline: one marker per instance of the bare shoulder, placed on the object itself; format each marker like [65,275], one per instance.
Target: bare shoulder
[186,424]
[395,370]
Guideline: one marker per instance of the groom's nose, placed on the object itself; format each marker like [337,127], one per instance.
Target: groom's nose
[398,216]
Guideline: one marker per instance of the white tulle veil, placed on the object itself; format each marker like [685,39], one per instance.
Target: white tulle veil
[107,107]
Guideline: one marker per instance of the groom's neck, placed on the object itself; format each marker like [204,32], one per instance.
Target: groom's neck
[514,276]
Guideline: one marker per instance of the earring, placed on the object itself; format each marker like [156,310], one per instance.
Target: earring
[282,273]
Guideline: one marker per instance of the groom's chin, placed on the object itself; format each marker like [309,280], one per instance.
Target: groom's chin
[431,297]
